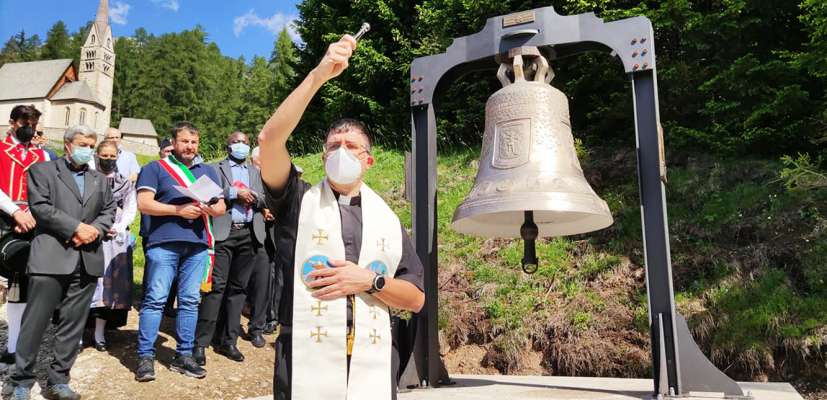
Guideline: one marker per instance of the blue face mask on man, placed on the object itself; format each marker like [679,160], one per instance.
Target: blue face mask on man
[81,155]
[239,151]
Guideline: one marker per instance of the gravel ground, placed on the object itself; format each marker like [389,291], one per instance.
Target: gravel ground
[109,375]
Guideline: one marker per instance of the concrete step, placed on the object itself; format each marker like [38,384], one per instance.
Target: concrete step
[484,387]
[508,387]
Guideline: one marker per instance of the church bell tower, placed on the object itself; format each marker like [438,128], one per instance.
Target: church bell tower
[97,65]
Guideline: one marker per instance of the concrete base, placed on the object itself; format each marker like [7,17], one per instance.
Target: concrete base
[492,387]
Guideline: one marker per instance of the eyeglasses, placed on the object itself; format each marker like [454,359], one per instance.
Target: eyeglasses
[354,148]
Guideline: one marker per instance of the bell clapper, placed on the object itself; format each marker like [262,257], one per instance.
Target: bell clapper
[529,233]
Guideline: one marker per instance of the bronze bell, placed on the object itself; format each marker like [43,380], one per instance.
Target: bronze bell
[528,167]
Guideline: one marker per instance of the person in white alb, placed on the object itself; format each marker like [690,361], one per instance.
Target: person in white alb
[343,268]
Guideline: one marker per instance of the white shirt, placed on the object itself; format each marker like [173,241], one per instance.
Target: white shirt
[6,204]
[128,164]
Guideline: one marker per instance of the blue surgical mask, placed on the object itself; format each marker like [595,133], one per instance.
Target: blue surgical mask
[81,155]
[239,151]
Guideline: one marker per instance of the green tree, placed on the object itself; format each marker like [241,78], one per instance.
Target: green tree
[256,92]
[814,60]
[283,61]
[58,44]
[130,55]
[375,88]
[726,79]
[20,48]
[10,51]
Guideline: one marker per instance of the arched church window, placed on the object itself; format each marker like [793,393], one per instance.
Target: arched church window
[109,43]
[82,116]
[93,39]
[68,113]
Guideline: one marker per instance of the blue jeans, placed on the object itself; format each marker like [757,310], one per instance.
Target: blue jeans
[165,262]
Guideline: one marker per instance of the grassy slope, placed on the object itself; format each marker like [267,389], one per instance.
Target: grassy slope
[748,258]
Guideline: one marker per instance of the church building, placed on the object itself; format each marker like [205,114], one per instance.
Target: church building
[65,95]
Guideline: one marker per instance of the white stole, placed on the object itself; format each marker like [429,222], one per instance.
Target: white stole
[319,337]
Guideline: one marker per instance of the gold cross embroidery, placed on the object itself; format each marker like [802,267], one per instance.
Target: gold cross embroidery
[318,334]
[374,337]
[320,237]
[318,308]
[373,311]
[381,244]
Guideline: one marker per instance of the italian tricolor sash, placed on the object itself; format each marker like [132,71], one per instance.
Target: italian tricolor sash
[320,369]
[182,174]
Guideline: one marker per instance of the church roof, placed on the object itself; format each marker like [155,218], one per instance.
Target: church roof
[137,126]
[78,90]
[30,80]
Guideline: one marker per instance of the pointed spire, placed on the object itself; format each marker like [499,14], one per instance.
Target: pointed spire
[102,17]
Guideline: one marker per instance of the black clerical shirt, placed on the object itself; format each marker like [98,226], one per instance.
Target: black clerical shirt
[286,206]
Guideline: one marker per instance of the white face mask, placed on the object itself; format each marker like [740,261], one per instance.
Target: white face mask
[342,167]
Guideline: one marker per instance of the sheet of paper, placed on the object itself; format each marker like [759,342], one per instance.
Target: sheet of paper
[202,190]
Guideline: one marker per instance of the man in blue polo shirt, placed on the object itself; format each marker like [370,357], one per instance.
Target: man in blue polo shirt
[177,240]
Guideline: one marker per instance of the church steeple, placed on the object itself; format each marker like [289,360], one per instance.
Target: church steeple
[97,65]
[102,17]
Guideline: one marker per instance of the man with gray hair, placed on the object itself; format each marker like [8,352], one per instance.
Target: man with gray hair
[74,210]
[127,163]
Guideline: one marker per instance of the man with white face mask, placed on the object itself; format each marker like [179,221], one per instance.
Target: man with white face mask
[343,268]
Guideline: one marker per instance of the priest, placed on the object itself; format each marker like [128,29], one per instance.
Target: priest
[343,268]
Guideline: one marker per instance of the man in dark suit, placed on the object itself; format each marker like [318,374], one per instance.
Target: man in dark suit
[239,252]
[74,210]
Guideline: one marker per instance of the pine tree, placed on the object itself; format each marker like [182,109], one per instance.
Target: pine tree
[282,62]
[20,48]
[256,93]
[10,51]
[58,45]
[126,73]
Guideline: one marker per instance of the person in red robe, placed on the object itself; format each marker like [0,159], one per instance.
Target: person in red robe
[17,155]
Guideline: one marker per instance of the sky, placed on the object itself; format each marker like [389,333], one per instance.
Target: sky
[239,27]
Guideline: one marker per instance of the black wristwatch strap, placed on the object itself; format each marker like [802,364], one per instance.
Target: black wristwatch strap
[373,289]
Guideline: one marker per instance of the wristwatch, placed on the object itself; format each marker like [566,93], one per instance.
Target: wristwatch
[378,284]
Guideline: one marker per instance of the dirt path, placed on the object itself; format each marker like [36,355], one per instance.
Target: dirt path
[109,375]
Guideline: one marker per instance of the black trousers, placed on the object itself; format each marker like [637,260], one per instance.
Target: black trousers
[219,316]
[72,294]
[276,285]
[283,371]
[260,297]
